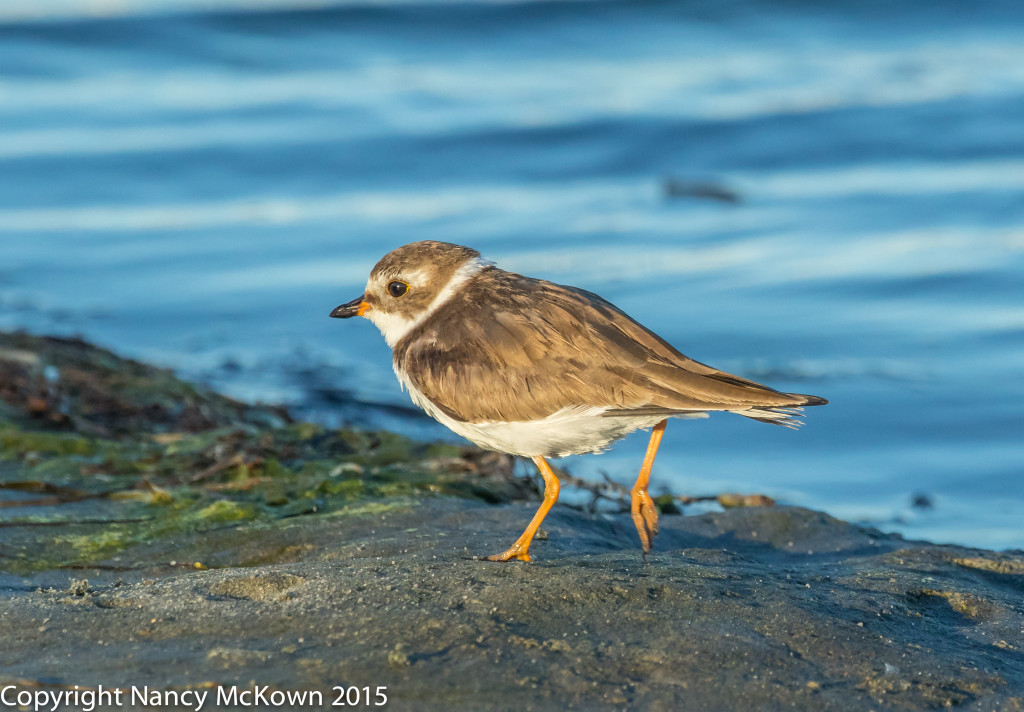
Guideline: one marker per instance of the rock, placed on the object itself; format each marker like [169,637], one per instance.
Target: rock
[716,618]
[319,561]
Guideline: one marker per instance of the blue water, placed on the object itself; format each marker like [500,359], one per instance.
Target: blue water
[199,183]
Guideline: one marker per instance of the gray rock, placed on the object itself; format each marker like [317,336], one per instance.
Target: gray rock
[757,608]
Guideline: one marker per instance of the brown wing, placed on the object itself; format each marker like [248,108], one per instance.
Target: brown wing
[510,348]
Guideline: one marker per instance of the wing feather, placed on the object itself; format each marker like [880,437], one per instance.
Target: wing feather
[509,348]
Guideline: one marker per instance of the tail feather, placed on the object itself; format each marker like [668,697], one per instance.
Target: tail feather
[786,416]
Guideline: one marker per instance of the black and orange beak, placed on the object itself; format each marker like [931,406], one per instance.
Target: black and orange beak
[357,307]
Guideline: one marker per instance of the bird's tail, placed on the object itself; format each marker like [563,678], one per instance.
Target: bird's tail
[788,416]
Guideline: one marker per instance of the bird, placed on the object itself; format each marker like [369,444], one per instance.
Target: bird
[541,370]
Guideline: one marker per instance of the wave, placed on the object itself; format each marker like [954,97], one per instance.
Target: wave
[61,10]
[630,203]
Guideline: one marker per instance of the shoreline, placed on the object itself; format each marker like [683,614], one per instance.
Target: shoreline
[203,543]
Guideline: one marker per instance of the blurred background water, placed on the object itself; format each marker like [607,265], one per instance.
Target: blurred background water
[825,196]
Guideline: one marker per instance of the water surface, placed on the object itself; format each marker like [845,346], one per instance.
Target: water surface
[198,184]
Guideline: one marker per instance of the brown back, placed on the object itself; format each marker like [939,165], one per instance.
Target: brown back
[510,348]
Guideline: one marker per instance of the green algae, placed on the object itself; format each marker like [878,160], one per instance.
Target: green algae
[15,442]
[378,507]
[119,459]
[267,490]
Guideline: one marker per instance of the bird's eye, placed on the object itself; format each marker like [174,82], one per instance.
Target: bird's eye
[397,289]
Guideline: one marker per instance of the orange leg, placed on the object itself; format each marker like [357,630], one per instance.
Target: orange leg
[521,549]
[642,507]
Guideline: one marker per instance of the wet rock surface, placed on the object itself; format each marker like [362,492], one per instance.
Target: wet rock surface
[143,559]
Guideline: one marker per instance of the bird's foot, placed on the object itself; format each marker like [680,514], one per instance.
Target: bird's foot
[516,551]
[645,517]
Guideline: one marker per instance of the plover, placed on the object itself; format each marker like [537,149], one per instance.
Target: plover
[537,369]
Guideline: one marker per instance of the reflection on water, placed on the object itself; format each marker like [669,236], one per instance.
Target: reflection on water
[201,185]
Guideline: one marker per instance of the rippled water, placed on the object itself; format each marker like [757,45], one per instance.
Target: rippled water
[201,186]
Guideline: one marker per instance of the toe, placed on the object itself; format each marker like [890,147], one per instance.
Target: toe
[509,555]
[649,511]
[645,517]
[645,539]
[651,517]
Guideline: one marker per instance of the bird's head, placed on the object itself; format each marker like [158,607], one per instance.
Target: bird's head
[409,283]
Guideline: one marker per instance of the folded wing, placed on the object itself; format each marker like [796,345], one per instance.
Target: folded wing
[508,348]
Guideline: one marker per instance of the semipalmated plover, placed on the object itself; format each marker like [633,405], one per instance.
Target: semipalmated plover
[528,367]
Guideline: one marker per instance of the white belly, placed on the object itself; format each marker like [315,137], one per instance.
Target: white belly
[571,431]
